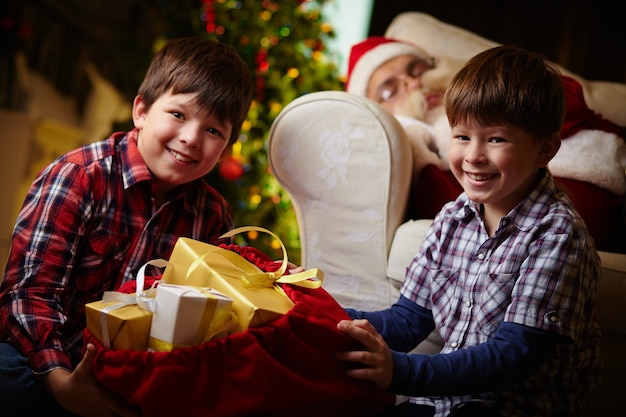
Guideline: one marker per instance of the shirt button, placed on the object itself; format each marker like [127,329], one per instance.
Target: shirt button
[481,256]
[554,319]
[468,303]
[454,344]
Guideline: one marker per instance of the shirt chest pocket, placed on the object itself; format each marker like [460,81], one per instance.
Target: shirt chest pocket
[103,255]
[104,244]
[494,301]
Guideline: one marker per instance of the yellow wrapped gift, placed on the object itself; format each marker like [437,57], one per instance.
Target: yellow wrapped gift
[187,316]
[120,320]
[119,325]
[257,295]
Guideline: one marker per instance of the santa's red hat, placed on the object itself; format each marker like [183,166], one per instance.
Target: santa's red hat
[371,53]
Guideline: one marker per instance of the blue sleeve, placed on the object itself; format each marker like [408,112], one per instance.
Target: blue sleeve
[403,325]
[514,353]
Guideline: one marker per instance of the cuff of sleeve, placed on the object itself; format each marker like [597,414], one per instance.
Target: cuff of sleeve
[48,359]
[401,372]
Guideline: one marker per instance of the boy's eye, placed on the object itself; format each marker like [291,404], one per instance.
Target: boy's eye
[214,131]
[497,140]
[177,115]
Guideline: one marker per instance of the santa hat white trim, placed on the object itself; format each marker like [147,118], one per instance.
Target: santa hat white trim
[369,61]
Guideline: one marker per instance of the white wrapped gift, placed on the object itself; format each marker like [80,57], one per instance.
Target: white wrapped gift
[187,316]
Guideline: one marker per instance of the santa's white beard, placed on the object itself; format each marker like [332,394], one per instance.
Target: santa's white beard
[427,129]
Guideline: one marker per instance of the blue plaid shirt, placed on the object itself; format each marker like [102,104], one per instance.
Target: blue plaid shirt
[539,269]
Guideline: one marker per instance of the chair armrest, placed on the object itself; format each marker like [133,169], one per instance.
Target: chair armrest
[346,163]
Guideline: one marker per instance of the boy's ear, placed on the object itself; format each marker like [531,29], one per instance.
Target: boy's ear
[139,112]
[549,148]
[225,152]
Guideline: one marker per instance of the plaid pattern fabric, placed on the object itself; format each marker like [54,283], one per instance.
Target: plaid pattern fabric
[539,269]
[88,223]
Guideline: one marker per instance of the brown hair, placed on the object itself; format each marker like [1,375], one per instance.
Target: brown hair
[212,69]
[510,86]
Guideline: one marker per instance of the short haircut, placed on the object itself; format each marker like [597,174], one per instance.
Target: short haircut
[507,85]
[210,68]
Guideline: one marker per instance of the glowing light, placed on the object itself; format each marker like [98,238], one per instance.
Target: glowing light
[276,107]
[293,72]
[255,199]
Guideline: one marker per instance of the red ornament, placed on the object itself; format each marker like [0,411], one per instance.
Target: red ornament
[230,169]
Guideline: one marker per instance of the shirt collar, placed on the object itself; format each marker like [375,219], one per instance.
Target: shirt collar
[526,213]
[134,168]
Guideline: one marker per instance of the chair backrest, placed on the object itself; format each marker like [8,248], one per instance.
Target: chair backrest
[346,164]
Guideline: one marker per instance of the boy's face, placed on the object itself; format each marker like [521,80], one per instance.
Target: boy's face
[178,140]
[497,165]
[393,83]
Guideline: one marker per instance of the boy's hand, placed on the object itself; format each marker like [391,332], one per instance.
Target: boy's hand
[80,392]
[292,268]
[377,360]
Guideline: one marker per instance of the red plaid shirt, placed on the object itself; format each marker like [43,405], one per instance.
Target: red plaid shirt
[88,223]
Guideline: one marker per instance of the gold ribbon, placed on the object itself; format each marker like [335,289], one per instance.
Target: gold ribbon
[251,276]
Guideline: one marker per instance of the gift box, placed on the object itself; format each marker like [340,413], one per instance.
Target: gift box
[257,298]
[118,324]
[121,320]
[187,316]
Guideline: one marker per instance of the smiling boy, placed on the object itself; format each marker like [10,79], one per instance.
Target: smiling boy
[94,216]
[507,274]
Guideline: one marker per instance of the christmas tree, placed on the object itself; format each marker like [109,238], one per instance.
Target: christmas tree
[284,44]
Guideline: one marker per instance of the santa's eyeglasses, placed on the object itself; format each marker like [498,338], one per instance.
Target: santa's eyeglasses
[394,87]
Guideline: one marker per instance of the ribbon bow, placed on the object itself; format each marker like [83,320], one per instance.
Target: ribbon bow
[251,276]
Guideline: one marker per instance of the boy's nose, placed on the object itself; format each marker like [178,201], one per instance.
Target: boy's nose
[190,136]
[474,153]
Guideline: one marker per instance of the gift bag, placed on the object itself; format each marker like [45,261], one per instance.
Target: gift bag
[286,367]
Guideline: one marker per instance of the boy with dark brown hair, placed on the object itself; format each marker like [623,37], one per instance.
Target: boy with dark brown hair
[94,216]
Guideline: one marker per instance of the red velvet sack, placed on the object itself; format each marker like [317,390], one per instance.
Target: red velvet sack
[285,368]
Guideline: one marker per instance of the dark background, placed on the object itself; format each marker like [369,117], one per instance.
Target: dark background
[586,36]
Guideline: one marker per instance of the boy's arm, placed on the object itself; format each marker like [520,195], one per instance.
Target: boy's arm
[44,246]
[514,352]
[403,325]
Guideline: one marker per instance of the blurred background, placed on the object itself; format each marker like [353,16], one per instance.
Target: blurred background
[69,70]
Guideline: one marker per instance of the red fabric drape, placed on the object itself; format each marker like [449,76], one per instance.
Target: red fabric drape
[285,368]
